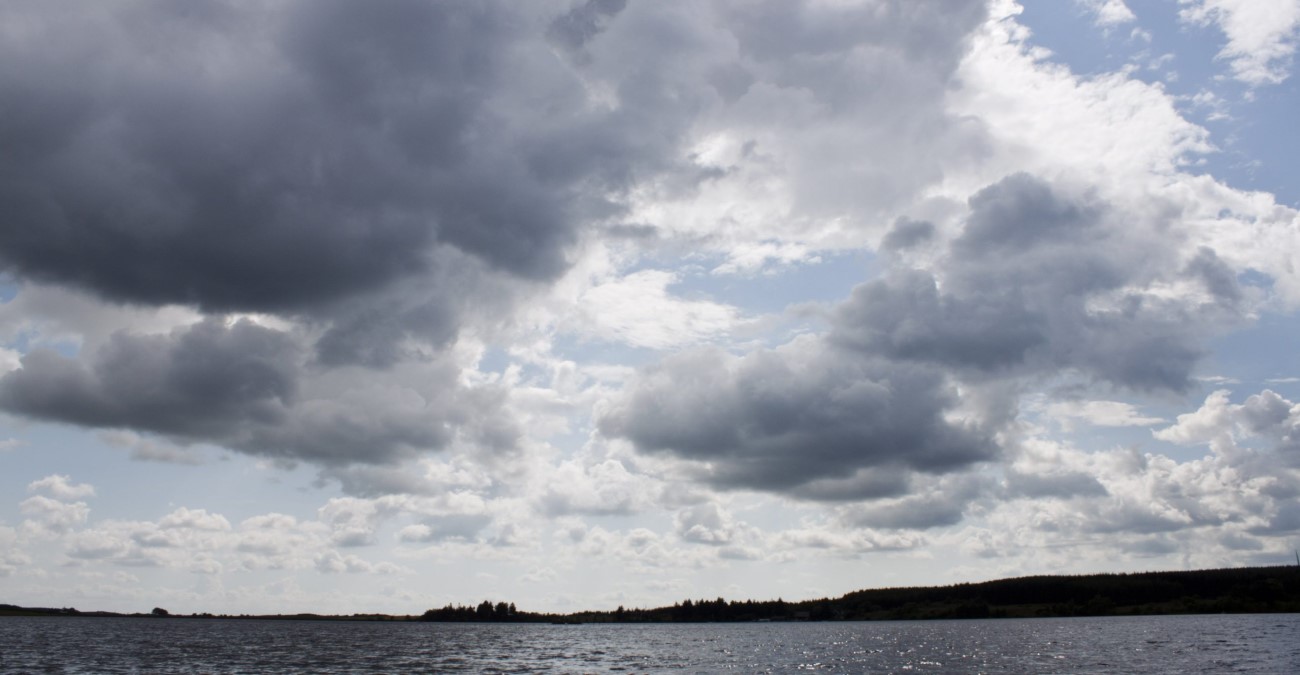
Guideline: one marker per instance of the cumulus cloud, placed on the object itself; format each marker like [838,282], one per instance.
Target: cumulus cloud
[194,519]
[255,167]
[1035,283]
[97,545]
[1039,282]
[61,487]
[826,117]
[1261,35]
[639,310]
[11,558]
[1109,12]
[933,503]
[310,232]
[51,515]
[597,488]
[331,562]
[1239,497]
[711,524]
[805,419]
[247,387]
[1224,426]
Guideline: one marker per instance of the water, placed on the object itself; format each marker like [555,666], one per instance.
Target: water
[1177,644]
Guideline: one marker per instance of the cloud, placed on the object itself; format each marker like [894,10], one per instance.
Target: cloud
[195,381]
[97,545]
[710,524]
[597,488]
[1222,425]
[1109,12]
[61,487]
[1059,484]
[52,515]
[277,541]
[11,558]
[330,562]
[449,161]
[1235,498]
[934,503]
[256,167]
[194,519]
[1038,282]
[1261,35]
[247,387]
[462,526]
[637,309]
[804,419]
[1101,413]
[148,450]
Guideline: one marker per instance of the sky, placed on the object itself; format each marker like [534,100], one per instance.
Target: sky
[375,307]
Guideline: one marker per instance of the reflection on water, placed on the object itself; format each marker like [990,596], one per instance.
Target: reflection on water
[1178,644]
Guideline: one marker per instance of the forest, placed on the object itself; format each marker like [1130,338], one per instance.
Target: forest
[1236,590]
[1219,591]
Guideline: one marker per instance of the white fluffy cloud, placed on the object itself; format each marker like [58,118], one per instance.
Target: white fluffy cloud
[1262,35]
[639,310]
[1109,12]
[62,487]
[52,515]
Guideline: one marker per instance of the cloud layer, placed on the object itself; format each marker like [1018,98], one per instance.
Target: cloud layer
[423,302]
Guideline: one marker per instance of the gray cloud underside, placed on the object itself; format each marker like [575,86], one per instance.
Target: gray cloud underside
[1017,296]
[250,388]
[313,158]
[1018,293]
[807,419]
[378,173]
[279,157]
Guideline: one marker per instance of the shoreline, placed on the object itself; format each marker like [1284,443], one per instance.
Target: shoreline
[1247,590]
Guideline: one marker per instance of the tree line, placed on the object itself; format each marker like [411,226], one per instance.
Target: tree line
[1236,590]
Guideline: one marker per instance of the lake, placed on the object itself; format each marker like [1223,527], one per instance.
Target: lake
[1260,643]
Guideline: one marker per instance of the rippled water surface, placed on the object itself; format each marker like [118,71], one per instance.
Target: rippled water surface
[1179,644]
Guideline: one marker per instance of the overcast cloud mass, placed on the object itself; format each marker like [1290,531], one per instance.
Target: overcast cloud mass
[344,307]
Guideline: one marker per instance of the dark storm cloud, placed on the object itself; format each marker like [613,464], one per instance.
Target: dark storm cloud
[279,157]
[372,332]
[248,388]
[906,234]
[574,29]
[798,420]
[1017,294]
[195,382]
[906,317]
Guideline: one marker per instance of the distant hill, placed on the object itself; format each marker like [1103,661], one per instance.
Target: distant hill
[1235,590]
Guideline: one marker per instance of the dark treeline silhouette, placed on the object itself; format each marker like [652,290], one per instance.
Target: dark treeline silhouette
[1238,590]
[485,611]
